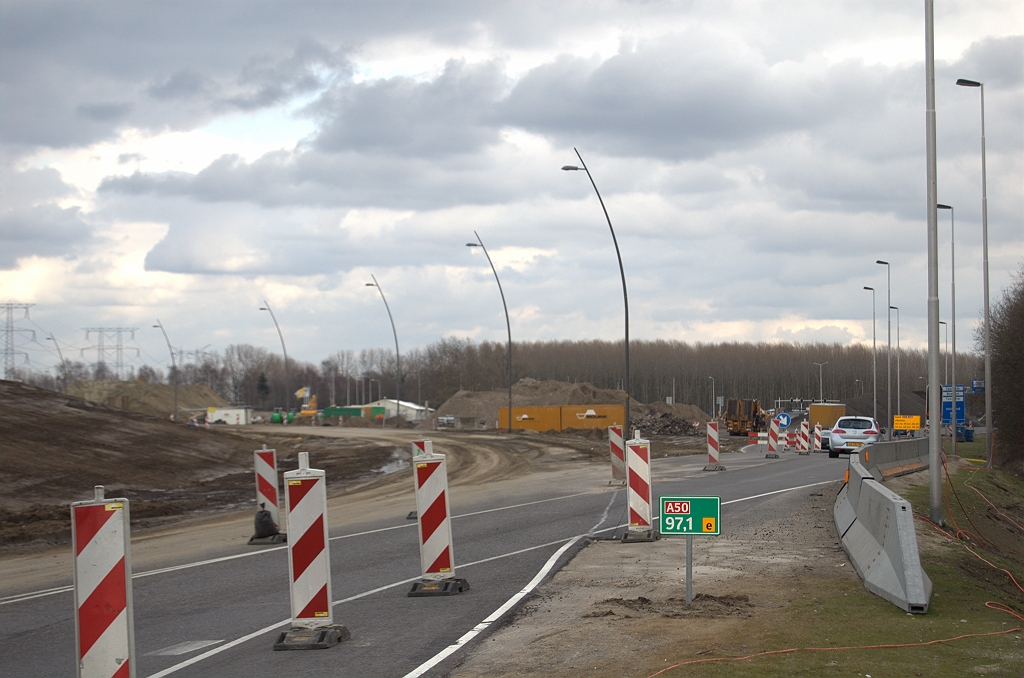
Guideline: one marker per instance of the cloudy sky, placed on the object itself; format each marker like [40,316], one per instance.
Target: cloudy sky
[186,160]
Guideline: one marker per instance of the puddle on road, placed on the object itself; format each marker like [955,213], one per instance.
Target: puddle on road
[396,463]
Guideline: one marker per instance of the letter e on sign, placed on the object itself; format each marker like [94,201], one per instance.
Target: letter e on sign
[708,524]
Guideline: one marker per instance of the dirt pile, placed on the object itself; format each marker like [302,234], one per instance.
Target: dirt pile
[139,396]
[533,393]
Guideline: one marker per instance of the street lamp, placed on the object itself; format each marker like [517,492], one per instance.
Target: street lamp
[508,323]
[899,408]
[622,271]
[821,397]
[888,349]
[713,401]
[63,363]
[952,307]
[398,357]
[984,247]
[287,393]
[855,382]
[874,361]
[945,375]
[174,368]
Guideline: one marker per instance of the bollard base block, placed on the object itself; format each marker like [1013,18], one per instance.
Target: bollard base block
[772,455]
[319,638]
[635,536]
[714,467]
[805,452]
[272,539]
[443,587]
[619,483]
[412,515]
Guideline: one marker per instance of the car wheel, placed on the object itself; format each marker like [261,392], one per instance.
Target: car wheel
[833,455]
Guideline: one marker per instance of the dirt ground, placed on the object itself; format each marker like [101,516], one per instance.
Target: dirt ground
[145,398]
[620,609]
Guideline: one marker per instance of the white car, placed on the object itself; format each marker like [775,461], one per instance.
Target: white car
[852,433]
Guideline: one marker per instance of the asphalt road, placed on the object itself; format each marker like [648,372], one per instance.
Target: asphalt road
[238,605]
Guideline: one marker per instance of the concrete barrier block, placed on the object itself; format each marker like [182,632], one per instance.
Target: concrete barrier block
[843,511]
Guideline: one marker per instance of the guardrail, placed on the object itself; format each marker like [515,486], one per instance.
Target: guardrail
[895,458]
[876,526]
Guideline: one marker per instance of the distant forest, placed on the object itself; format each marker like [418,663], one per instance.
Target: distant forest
[254,375]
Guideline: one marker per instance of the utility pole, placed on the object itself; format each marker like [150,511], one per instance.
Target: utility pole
[10,332]
[102,350]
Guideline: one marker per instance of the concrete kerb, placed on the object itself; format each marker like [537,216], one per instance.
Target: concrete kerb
[877,530]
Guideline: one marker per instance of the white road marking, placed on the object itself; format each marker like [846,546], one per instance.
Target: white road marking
[494,616]
[183,648]
[604,516]
[31,595]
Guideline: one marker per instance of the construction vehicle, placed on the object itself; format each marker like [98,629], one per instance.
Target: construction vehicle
[743,416]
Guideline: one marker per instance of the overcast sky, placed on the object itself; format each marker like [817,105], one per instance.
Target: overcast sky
[186,160]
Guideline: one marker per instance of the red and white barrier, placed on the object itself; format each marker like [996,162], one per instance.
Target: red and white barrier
[617,453]
[638,460]
[433,513]
[713,464]
[791,440]
[804,446]
[309,559]
[773,440]
[265,463]
[104,627]
[817,437]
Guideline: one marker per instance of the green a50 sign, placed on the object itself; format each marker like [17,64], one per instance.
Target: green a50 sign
[691,515]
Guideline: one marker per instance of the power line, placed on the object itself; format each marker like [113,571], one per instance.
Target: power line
[10,332]
[116,334]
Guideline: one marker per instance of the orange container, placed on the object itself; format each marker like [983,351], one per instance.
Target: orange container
[591,416]
[531,418]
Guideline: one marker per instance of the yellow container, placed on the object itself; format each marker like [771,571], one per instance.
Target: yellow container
[531,418]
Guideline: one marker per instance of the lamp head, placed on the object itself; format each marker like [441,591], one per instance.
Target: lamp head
[571,168]
[263,308]
[895,307]
[371,284]
[156,326]
[883,263]
[963,82]
[869,288]
[944,207]
[472,244]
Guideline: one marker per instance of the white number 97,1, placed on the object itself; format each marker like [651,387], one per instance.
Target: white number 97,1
[678,523]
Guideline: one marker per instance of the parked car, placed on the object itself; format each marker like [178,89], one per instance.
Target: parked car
[825,440]
[852,433]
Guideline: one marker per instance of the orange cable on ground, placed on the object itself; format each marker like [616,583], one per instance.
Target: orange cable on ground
[851,647]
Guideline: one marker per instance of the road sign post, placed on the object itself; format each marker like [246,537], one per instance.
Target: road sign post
[688,516]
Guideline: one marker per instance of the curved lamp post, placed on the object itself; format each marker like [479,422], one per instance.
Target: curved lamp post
[174,367]
[287,392]
[821,390]
[508,324]
[874,362]
[989,428]
[398,357]
[63,363]
[888,349]
[622,271]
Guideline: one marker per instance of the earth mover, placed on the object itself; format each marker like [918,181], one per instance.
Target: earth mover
[743,416]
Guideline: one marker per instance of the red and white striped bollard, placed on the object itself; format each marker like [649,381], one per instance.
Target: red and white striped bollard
[617,453]
[817,437]
[309,562]
[638,459]
[104,624]
[265,466]
[773,440]
[713,464]
[433,514]
[805,438]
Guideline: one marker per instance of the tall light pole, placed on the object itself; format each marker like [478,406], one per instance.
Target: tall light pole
[508,323]
[821,391]
[855,382]
[874,361]
[63,363]
[174,368]
[714,405]
[899,408]
[952,307]
[622,271]
[931,199]
[945,375]
[398,357]
[287,392]
[989,428]
[888,349]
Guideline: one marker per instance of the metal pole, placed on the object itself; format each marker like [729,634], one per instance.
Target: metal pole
[874,360]
[899,408]
[934,424]
[689,569]
[398,357]
[174,368]
[713,406]
[508,323]
[287,391]
[989,427]
[952,304]
[622,271]
[888,349]
[63,363]
[821,391]
[945,374]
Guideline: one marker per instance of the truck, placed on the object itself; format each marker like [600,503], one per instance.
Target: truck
[743,416]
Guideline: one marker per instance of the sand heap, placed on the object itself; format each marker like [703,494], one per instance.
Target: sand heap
[138,396]
[533,393]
